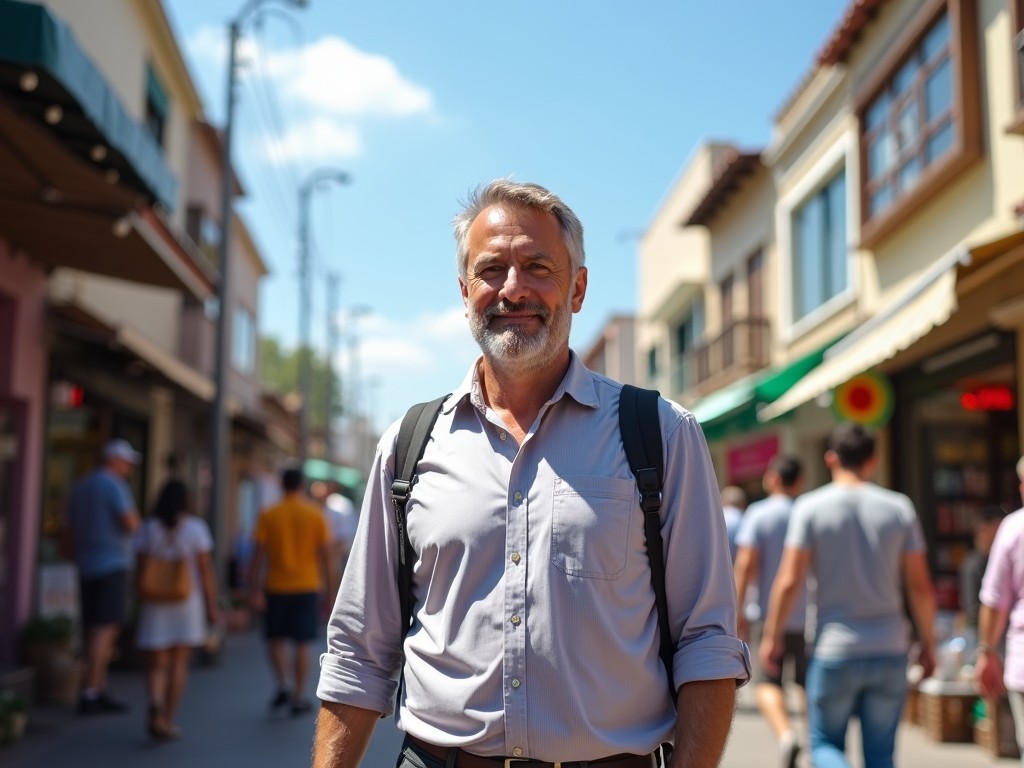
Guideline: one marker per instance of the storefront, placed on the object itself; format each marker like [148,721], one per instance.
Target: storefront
[956,444]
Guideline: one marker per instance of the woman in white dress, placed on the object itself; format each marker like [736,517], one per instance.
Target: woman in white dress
[169,631]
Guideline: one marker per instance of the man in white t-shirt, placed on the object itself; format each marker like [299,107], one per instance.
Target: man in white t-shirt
[341,524]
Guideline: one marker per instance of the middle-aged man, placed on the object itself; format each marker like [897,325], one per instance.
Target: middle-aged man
[864,545]
[535,634]
[101,520]
[760,541]
[1002,610]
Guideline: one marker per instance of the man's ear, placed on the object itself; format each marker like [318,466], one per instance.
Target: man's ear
[579,289]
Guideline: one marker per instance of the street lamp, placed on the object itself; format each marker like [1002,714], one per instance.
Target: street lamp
[219,427]
[317,178]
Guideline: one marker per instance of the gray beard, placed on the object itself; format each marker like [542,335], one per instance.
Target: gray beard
[513,344]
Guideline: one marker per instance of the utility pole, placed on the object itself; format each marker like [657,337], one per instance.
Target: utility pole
[306,301]
[333,281]
[219,426]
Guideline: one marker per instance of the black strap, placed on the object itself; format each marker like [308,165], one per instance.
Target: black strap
[640,428]
[412,441]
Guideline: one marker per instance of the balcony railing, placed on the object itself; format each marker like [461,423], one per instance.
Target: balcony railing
[742,348]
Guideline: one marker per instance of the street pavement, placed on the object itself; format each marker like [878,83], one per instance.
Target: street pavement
[226,723]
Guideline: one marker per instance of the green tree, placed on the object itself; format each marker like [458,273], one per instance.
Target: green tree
[279,373]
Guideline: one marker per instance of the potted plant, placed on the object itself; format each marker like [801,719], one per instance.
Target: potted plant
[13,716]
[46,645]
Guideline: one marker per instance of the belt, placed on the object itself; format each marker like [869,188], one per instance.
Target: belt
[468,760]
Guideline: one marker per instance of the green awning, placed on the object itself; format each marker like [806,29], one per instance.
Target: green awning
[319,469]
[733,409]
[44,71]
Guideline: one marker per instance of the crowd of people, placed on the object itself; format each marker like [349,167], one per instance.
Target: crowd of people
[543,619]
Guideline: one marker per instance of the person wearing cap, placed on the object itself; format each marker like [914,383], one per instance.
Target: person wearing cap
[102,518]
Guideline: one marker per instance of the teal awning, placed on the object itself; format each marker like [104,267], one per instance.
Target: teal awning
[319,469]
[45,72]
[733,409]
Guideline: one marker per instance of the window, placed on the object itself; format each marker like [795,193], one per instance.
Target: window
[728,338]
[157,106]
[755,303]
[819,247]
[243,346]
[921,119]
[687,334]
[652,366]
[205,233]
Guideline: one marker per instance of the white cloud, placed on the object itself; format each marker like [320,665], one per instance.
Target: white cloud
[318,139]
[331,74]
[432,342]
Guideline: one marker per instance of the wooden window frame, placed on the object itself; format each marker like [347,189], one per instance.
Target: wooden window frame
[1017,53]
[966,113]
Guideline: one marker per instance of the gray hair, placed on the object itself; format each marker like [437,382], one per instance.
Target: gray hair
[521,195]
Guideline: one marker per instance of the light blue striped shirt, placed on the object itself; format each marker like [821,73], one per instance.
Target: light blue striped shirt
[535,628]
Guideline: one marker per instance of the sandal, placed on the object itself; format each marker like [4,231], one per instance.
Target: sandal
[155,723]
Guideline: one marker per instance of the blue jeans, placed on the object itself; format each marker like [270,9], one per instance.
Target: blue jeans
[871,689]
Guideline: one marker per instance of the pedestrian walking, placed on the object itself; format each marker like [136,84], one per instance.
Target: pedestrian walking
[760,541]
[101,520]
[289,578]
[534,632]
[864,546]
[972,569]
[168,629]
[1001,615]
[734,501]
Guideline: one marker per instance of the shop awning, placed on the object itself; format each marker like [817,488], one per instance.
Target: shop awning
[51,80]
[78,177]
[927,304]
[734,409]
[118,337]
[320,469]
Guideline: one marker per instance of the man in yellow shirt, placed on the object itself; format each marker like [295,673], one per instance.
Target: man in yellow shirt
[288,579]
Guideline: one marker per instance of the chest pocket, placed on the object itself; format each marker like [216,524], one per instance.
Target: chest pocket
[590,525]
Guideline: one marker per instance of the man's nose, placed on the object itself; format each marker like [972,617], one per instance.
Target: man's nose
[514,288]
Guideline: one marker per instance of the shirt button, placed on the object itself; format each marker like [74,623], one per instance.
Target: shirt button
[516,621]
[502,435]
[516,682]
[517,752]
[516,558]
[518,496]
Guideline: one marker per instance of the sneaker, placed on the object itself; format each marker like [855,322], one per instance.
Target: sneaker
[789,750]
[301,707]
[281,698]
[100,704]
[105,703]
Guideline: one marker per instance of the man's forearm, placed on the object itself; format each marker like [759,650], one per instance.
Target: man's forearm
[342,734]
[705,710]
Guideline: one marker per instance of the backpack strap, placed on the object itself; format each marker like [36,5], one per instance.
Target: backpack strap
[413,435]
[640,428]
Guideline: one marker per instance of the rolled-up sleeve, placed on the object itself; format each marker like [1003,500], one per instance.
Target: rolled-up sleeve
[698,567]
[363,659]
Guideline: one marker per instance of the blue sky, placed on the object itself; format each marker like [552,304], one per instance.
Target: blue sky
[603,102]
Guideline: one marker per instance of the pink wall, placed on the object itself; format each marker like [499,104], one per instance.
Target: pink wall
[25,282]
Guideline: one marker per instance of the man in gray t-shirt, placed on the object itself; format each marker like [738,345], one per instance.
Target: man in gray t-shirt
[760,541]
[864,546]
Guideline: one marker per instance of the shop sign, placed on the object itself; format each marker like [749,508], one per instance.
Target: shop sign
[996,397]
[750,460]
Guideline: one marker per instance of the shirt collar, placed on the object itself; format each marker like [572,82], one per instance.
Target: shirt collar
[578,383]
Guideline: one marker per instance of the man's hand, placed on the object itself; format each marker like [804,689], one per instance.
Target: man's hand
[257,600]
[988,674]
[770,655]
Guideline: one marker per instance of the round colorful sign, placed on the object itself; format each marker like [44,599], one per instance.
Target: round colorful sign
[864,399]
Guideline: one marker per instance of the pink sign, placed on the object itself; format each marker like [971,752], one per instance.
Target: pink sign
[748,461]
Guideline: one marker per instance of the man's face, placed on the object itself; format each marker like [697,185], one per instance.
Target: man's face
[122,467]
[519,291]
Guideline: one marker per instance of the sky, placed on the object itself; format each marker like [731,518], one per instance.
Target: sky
[419,102]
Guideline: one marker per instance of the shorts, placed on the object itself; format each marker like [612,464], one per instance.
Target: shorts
[794,655]
[104,599]
[291,616]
